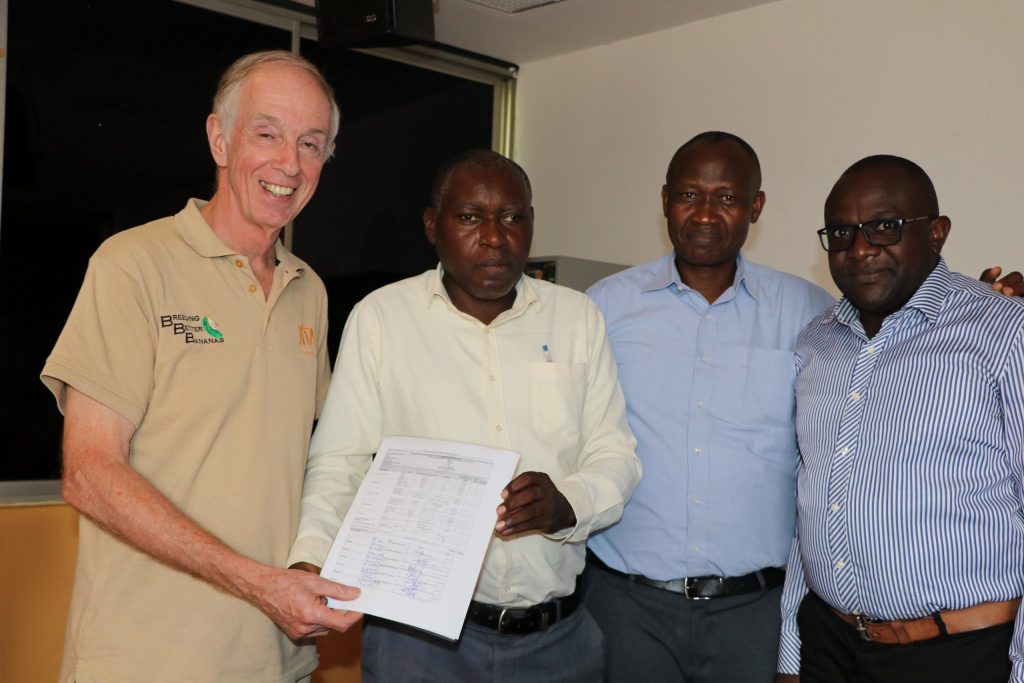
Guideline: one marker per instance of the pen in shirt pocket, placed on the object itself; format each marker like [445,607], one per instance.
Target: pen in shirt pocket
[547,353]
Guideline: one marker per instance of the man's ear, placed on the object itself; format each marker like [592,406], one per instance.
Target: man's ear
[939,232]
[430,224]
[758,206]
[664,200]
[218,143]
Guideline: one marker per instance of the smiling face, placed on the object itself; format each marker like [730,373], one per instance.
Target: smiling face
[482,229]
[880,280]
[269,163]
[710,199]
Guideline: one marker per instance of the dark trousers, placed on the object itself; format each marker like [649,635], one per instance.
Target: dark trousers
[655,636]
[571,651]
[833,652]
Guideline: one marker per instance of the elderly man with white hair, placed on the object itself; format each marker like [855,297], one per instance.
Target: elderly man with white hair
[190,372]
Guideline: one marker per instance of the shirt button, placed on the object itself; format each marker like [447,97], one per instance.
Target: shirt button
[834,507]
[871,349]
[498,427]
[840,564]
[855,396]
[252,289]
[844,451]
[700,404]
[697,450]
[493,378]
[239,262]
[696,548]
[707,317]
[704,358]
[696,500]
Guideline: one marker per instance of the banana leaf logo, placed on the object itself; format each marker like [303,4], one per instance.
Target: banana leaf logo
[210,325]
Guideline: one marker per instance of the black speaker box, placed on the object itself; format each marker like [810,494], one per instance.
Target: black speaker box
[374,23]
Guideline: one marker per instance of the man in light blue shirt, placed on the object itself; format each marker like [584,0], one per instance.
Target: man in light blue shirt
[910,418]
[704,342]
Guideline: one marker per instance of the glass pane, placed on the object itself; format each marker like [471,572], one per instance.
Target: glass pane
[363,228]
[105,129]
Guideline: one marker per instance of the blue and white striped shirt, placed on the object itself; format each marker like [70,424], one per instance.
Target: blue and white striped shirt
[912,459]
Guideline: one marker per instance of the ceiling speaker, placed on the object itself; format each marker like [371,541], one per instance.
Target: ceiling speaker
[374,23]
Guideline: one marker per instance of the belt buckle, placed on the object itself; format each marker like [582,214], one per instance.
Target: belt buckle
[545,621]
[686,591]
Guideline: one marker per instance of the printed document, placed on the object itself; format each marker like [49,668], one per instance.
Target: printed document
[415,537]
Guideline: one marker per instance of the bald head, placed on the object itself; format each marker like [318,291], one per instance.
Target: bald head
[482,159]
[914,182]
[716,138]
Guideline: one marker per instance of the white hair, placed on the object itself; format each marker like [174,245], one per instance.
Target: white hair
[225,102]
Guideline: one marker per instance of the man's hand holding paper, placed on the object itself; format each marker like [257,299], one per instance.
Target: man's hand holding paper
[531,502]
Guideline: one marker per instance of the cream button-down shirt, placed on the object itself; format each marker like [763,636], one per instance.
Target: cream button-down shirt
[411,364]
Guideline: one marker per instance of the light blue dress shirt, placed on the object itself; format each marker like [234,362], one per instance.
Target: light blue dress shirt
[709,394]
[912,478]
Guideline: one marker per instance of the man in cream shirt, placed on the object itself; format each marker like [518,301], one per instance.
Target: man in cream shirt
[476,352]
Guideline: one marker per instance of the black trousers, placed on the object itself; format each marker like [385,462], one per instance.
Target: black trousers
[833,652]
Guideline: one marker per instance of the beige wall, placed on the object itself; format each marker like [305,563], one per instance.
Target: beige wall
[37,561]
[813,85]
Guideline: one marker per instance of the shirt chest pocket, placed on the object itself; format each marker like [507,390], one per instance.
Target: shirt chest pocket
[556,400]
[757,386]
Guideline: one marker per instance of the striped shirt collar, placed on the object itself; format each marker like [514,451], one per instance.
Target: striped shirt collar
[928,299]
[665,275]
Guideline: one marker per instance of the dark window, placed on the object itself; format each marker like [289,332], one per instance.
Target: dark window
[364,227]
[105,112]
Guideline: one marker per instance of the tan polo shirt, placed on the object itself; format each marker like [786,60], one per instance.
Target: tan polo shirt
[540,379]
[172,330]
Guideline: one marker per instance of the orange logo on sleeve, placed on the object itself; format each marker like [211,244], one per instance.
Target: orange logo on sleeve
[307,340]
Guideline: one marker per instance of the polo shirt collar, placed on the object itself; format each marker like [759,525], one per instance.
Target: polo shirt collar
[664,274]
[928,298]
[198,234]
[289,261]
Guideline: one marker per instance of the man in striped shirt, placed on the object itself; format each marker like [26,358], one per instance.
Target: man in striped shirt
[909,564]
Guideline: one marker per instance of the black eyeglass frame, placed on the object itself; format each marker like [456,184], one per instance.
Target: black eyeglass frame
[864,230]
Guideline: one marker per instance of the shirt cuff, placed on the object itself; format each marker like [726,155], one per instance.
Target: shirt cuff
[308,550]
[789,653]
[577,497]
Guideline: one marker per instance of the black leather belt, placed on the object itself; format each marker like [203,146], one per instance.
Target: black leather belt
[703,587]
[520,621]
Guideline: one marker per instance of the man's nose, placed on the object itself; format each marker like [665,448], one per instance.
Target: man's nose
[287,160]
[861,248]
[492,232]
[705,211]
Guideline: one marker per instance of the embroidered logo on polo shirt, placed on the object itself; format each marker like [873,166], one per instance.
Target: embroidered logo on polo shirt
[307,340]
[211,327]
[194,329]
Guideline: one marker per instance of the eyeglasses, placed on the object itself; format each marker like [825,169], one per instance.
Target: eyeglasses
[880,232]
